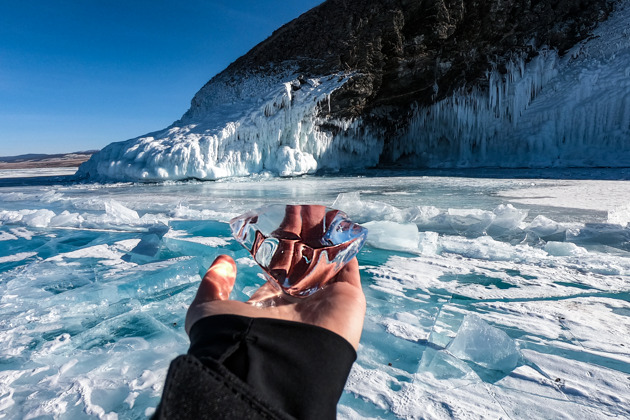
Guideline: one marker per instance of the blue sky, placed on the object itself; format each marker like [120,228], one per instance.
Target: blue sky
[80,74]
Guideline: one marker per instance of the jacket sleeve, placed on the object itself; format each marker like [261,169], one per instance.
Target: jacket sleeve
[240,367]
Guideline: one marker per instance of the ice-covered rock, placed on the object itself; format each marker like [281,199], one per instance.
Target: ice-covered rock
[254,124]
[553,111]
[398,83]
[479,342]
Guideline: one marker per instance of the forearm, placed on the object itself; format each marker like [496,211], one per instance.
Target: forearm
[296,369]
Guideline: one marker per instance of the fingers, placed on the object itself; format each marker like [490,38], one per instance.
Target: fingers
[218,282]
[312,224]
[292,223]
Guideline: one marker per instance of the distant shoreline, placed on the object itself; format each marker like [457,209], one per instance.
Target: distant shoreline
[45,161]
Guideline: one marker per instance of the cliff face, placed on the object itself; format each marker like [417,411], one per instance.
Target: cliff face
[417,51]
[414,83]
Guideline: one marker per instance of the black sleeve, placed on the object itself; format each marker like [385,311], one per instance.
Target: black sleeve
[273,368]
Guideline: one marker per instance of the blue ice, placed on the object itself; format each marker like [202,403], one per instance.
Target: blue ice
[475,302]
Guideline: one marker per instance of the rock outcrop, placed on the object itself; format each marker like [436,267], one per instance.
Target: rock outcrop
[405,52]
[432,83]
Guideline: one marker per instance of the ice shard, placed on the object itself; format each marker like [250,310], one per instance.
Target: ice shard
[299,247]
[485,345]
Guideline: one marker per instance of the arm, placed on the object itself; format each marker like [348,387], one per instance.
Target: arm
[268,357]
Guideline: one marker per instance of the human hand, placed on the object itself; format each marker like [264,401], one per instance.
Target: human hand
[338,307]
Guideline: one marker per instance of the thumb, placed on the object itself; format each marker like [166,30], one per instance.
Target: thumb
[218,282]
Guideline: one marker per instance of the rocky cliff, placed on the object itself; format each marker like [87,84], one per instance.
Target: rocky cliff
[412,82]
[417,51]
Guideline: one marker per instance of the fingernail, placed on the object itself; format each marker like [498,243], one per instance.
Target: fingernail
[223,268]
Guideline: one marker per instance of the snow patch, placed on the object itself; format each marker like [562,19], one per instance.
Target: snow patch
[20,256]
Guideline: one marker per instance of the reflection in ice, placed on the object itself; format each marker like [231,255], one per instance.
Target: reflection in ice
[300,247]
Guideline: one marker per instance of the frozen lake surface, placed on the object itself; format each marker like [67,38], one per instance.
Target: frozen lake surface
[491,294]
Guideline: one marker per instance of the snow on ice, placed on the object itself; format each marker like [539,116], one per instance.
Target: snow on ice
[478,307]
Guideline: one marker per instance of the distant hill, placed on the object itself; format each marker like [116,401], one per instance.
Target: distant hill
[38,160]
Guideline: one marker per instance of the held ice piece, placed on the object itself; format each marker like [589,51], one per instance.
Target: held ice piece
[299,247]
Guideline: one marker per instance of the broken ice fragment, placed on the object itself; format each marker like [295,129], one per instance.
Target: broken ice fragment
[485,345]
[395,236]
[300,248]
[564,249]
[443,366]
[470,221]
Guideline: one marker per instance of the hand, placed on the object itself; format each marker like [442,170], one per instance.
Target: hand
[338,307]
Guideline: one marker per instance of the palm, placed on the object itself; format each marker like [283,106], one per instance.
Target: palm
[339,307]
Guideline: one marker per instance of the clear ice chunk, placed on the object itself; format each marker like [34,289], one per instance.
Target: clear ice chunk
[299,247]
[443,366]
[485,345]
[385,234]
